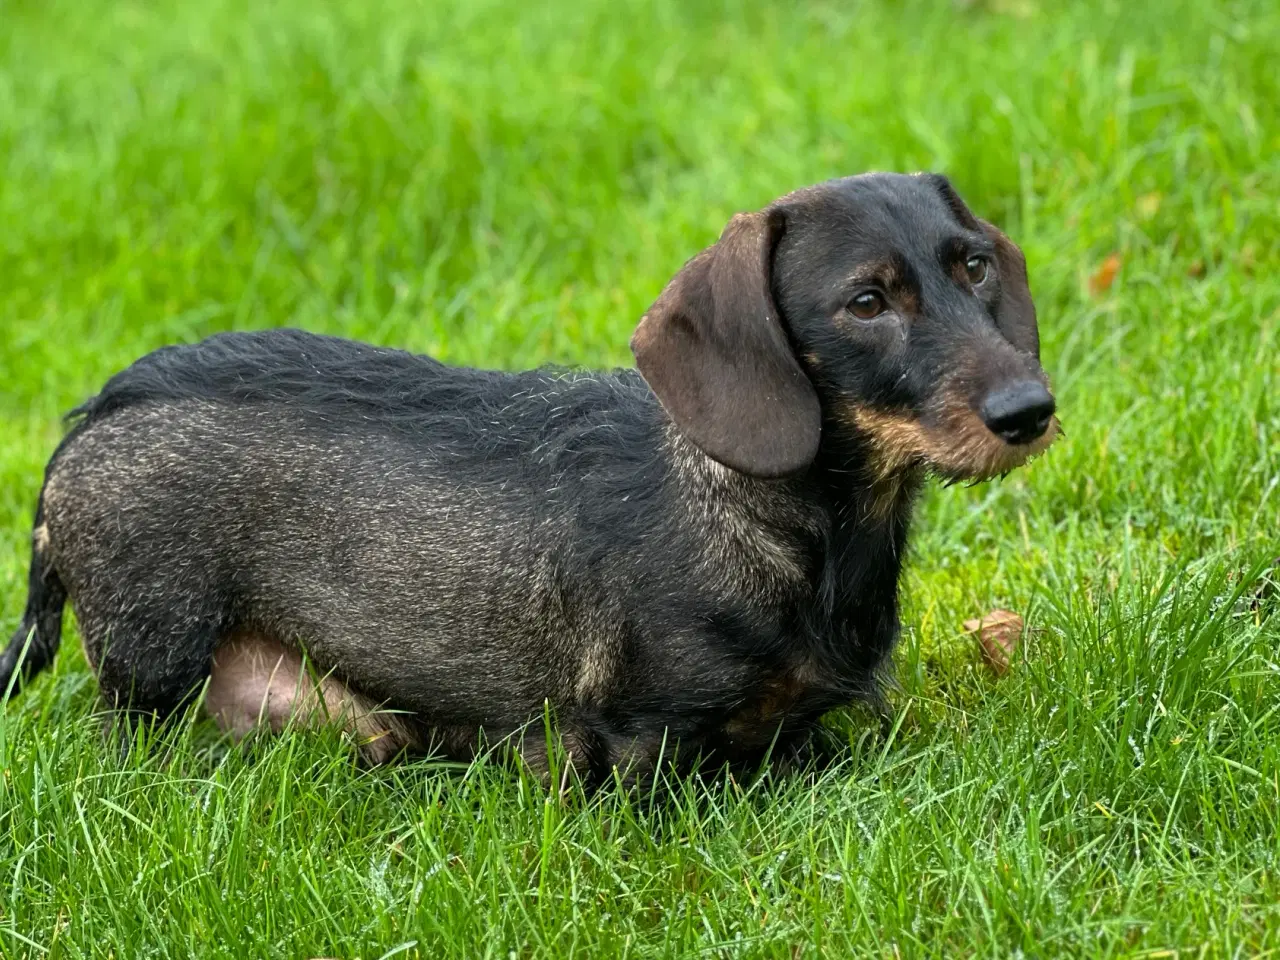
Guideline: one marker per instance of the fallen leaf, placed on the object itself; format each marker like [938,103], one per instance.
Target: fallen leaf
[1149,205]
[999,633]
[1105,275]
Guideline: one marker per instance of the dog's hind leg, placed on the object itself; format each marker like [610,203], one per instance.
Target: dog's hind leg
[35,642]
[150,668]
[149,636]
[150,663]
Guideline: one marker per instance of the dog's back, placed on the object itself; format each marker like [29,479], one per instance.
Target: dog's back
[453,412]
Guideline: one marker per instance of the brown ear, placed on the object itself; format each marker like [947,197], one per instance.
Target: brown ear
[713,349]
[1016,312]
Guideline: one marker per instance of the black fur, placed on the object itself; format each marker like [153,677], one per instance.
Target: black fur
[466,545]
[39,634]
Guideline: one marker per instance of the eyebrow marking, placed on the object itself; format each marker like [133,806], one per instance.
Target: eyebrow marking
[896,277]
[883,270]
[893,272]
[956,248]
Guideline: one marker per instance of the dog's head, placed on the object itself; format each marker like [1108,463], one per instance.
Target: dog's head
[877,308]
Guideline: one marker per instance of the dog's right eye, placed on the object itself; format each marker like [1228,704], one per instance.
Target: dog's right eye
[976,269]
[867,305]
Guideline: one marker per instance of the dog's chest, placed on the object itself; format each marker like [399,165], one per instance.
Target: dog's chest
[792,694]
[818,676]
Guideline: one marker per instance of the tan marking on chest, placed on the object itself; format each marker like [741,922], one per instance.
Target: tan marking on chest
[770,704]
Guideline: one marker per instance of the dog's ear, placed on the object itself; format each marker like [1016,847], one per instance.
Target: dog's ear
[1016,312]
[714,351]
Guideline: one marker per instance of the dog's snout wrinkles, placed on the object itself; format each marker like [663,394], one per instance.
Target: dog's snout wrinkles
[1019,413]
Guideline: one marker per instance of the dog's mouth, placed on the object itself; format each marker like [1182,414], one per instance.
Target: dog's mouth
[954,443]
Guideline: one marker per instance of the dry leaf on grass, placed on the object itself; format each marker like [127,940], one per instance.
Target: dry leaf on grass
[1105,275]
[999,634]
[1149,205]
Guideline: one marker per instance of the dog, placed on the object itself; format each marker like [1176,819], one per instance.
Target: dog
[691,561]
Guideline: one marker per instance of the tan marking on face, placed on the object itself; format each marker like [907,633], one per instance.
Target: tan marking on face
[958,444]
[257,681]
[40,538]
[883,272]
[886,274]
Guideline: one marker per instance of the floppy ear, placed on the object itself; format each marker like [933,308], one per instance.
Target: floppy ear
[713,349]
[1016,312]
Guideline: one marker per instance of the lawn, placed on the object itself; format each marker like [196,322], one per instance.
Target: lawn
[508,184]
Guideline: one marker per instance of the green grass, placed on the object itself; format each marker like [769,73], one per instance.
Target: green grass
[505,184]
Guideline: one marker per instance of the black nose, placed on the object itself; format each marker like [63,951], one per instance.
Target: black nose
[1019,412]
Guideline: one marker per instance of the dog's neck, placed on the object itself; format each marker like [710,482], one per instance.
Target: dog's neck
[818,534]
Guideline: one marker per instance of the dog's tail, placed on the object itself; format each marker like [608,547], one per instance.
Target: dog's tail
[36,641]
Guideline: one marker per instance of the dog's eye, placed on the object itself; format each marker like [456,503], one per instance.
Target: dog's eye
[976,268]
[867,306]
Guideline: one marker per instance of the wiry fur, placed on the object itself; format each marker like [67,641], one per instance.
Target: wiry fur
[467,547]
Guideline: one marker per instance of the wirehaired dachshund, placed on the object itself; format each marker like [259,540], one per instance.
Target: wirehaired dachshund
[697,559]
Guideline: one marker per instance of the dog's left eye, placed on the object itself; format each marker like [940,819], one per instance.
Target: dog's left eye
[867,305]
[976,269]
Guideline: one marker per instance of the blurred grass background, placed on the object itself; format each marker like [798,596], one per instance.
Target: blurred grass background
[503,184]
